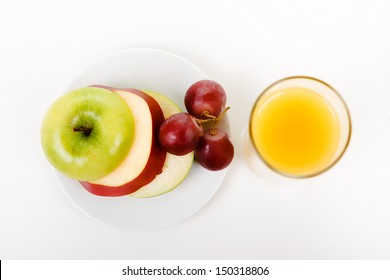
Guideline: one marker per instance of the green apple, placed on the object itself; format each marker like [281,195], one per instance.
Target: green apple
[145,159]
[176,168]
[87,133]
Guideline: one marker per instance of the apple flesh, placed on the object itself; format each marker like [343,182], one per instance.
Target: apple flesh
[87,133]
[145,159]
[175,169]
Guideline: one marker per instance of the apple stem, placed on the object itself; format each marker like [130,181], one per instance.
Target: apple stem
[85,130]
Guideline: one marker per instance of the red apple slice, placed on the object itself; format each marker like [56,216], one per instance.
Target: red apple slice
[176,168]
[145,159]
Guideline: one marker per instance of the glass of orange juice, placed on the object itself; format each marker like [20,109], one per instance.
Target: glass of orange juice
[300,126]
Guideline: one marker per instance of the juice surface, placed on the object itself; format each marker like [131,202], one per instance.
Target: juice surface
[296,131]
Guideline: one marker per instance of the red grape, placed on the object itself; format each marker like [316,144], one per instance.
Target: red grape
[179,134]
[205,97]
[215,151]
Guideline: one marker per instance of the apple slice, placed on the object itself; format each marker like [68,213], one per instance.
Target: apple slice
[145,159]
[176,168]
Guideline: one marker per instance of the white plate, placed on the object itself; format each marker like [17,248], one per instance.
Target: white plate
[170,75]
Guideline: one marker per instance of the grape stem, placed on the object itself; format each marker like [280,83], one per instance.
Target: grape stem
[213,132]
[211,117]
[206,114]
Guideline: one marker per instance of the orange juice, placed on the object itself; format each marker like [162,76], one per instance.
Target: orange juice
[296,131]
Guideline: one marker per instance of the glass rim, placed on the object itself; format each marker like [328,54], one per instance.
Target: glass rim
[334,161]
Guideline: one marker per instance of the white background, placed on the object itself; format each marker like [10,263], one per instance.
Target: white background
[278,269]
[244,45]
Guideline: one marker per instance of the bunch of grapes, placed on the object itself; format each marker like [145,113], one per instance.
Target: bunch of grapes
[183,133]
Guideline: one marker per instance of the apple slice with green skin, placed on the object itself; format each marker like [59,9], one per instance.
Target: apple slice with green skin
[87,133]
[145,159]
[176,168]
